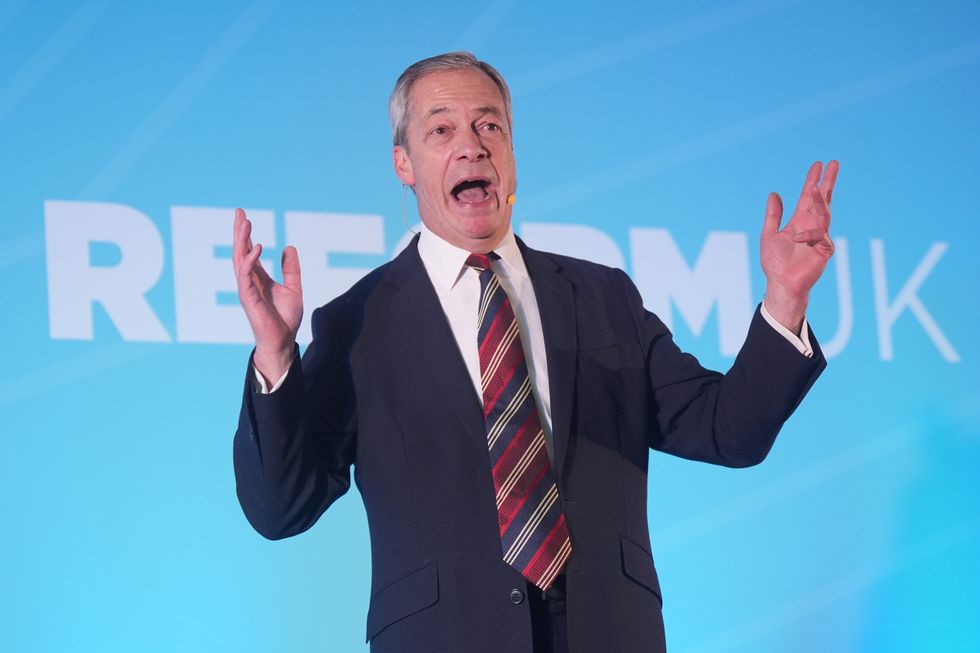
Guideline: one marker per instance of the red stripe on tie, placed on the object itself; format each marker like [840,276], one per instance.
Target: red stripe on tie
[513,450]
[491,394]
[547,552]
[515,500]
[491,342]
[517,445]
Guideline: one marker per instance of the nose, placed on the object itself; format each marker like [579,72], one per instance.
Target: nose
[470,146]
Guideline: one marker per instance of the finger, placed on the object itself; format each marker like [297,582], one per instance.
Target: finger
[244,271]
[774,214]
[290,269]
[818,215]
[829,179]
[251,264]
[259,270]
[822,209]
[250,291]
[813,174]
[238,250]
[812,177]
[818,239]
[246,232]
[810,236]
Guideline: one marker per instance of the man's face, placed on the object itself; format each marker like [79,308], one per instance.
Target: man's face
[459,157]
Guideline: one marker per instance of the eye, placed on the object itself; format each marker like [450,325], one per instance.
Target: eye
[441,130]
[490,127]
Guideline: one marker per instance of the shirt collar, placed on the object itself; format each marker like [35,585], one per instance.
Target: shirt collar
[446,263]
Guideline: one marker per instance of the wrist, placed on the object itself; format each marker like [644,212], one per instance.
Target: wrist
[786,307]
[272,362]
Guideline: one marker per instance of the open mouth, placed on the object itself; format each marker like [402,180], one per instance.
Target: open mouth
[472,191]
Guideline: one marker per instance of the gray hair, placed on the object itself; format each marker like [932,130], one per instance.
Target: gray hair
[398,102]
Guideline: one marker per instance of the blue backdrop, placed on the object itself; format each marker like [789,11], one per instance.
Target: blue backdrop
[648,135]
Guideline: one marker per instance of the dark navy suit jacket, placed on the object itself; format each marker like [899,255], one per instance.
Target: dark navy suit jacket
[383,387]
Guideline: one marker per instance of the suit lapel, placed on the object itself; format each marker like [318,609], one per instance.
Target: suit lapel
[415,308]
[556,304]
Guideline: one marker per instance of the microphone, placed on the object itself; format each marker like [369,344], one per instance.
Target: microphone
[511,199]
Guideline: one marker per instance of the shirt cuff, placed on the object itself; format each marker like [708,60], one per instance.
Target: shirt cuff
[801,342]
[263,387]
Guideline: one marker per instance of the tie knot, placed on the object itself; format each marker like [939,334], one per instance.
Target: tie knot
[480,261]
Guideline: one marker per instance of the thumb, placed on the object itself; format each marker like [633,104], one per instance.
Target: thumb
[290,269]
[774,214]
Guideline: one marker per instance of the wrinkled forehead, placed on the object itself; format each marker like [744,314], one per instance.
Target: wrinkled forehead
[452,91]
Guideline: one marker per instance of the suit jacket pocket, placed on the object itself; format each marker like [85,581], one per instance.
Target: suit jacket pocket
[411,593]
[638,566]
[606,356]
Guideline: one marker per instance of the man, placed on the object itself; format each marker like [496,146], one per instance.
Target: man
[498,403]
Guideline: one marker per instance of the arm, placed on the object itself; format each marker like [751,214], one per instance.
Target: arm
[733,419]
[294,447]
[727,419]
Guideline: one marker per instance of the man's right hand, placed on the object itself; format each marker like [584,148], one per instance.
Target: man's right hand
[273,309]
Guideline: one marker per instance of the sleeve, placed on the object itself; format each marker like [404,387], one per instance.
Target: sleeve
[262,387]
[729,419]
[294,447]
[801,342]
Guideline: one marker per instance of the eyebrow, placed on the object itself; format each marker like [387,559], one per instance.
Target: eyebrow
[490,109]
[434,111]
[485,109]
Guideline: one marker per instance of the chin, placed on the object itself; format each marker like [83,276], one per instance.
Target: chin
[483,228]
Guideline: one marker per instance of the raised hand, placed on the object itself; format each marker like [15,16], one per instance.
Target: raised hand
[274,310]
[794,257]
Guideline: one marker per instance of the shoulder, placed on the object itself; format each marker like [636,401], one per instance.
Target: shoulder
[578,271]
[375,283]
[362,290]
[370,293]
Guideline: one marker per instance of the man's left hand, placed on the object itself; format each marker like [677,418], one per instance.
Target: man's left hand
[794,258]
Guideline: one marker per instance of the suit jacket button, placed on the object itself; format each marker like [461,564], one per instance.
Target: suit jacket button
[516,596]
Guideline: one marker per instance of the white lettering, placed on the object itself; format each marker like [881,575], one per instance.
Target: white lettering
[906,298]
[75,284]
[720,275]
[316,236]
[113,255]
[199,275]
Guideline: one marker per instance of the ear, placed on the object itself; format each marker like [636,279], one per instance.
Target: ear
[403,165]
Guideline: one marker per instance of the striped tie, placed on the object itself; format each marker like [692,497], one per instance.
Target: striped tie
[533,535]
